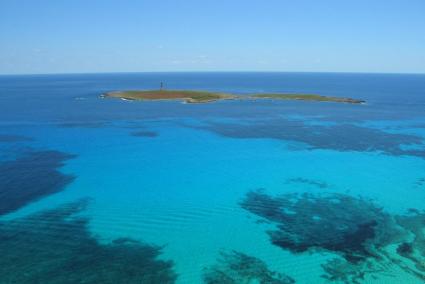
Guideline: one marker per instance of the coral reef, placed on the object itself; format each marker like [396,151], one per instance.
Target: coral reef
[420,182]
[238,268]
[312,182]
[83,124]
[339,137]
[354,228]
[55,246]
[336,222]
[145,133]
[346,272]
[4,138]
[31,177]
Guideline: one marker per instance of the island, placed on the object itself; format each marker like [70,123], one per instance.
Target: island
[308,97]
[188,96]
[185,96]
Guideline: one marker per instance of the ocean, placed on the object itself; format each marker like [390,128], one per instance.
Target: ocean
[102,190]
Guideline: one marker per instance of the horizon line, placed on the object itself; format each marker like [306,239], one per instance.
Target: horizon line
[206,71]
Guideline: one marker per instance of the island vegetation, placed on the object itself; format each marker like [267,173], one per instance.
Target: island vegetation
[186,96]
[206,97]
[307,97]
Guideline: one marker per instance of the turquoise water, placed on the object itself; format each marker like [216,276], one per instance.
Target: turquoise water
[112,191]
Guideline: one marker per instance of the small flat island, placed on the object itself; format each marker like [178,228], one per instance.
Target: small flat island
[307,97]
[206,97]
[186,96]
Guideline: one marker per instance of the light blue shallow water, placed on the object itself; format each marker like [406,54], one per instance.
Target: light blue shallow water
[234,191]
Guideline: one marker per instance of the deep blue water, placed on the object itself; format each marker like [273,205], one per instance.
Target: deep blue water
[99,190]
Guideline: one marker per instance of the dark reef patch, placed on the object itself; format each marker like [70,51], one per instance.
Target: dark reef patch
[235,267]
[414,249]
[31,177]
[55,246]
[408,256]
[144,133]
[341,271]
[342,137]
[87,124]
[405,249]
[367,239]
[316,183]
[14,138]
[335,222]
[420,182]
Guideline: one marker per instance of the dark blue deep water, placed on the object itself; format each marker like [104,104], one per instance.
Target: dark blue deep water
[101,190]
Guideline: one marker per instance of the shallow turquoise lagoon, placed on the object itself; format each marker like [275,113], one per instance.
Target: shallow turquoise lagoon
[108,191]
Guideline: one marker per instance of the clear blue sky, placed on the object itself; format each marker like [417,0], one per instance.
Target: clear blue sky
[59,36]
